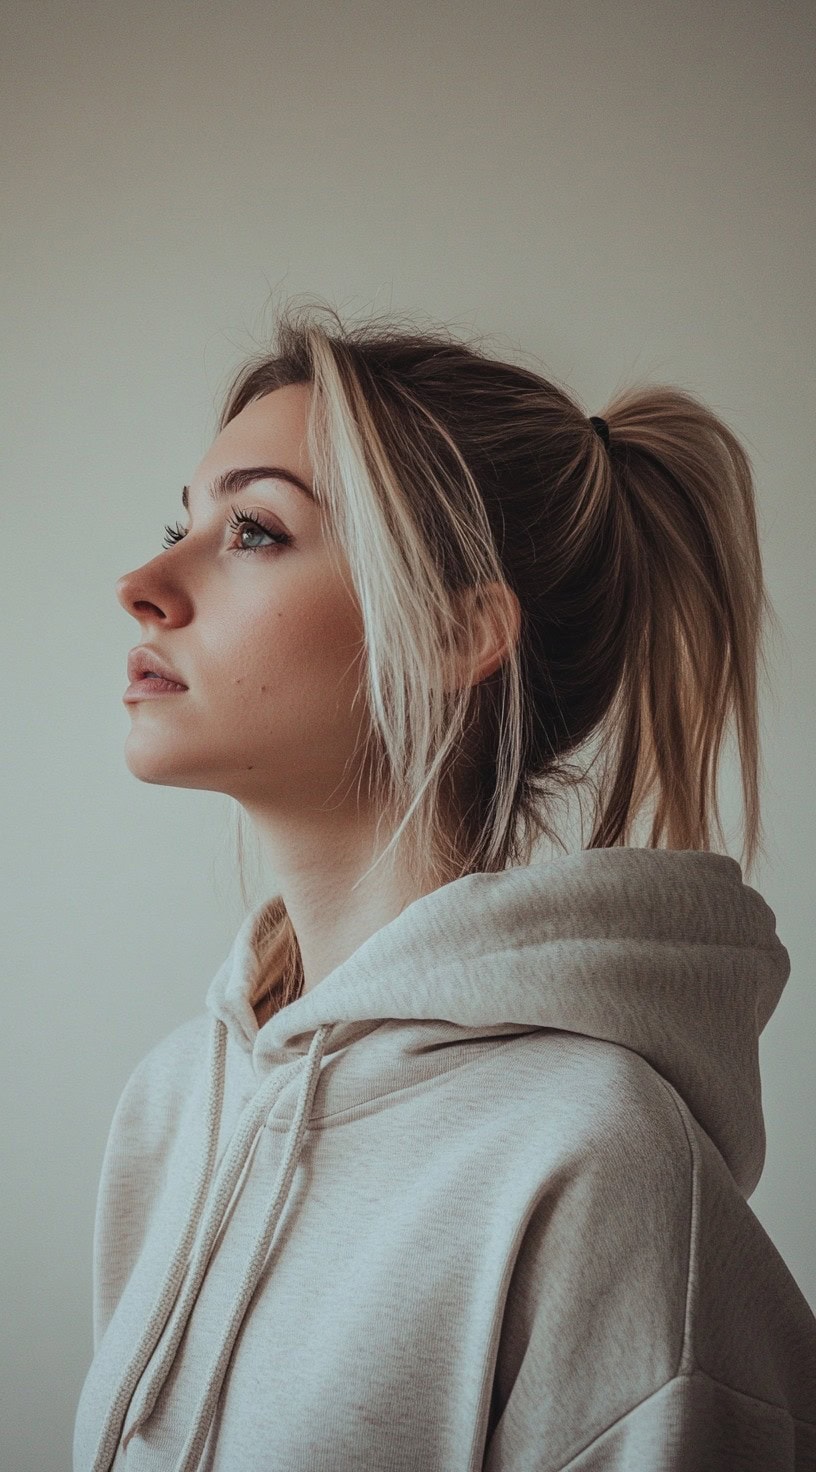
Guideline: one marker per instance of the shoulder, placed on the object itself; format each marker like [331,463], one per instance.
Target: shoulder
[162,1081]
[147,1122]
[604,1101]
[640,1241]
[595,1315]
[615,1134]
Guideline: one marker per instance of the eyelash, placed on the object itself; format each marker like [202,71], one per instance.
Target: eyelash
[235,520]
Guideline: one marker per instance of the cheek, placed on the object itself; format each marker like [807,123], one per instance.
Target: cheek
[304,658]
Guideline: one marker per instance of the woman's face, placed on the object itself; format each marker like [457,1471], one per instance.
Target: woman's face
[268,639]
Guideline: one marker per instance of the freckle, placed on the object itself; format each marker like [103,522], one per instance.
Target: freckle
[263,687]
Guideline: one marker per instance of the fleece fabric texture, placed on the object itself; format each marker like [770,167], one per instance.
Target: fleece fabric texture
[477,1200]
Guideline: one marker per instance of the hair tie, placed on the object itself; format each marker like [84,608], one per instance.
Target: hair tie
[600,426]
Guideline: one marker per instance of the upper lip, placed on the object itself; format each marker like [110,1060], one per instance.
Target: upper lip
[144,660]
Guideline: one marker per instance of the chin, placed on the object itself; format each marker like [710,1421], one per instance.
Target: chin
[155,761]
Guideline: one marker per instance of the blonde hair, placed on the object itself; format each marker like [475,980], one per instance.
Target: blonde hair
[636,568]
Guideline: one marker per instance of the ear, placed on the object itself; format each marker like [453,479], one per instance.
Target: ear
[488,628]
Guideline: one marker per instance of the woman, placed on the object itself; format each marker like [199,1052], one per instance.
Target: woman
[452,1172]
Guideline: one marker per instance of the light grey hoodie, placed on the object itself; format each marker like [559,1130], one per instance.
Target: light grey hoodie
[477,1200]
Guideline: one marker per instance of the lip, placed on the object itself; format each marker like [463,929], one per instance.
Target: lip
[144,661]
[150,675]
[148,687]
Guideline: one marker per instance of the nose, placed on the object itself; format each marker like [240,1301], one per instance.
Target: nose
[130,590]
[121,589]
[147,593]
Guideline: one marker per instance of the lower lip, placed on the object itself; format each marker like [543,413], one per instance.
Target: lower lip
[149,688]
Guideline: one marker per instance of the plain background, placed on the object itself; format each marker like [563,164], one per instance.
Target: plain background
[608,191]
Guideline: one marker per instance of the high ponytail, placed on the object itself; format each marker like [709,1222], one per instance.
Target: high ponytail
[682,487]
[631,609]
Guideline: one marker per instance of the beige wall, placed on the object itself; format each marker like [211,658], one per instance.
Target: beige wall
[616,189]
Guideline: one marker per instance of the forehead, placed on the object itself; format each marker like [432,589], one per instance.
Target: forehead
[270,430]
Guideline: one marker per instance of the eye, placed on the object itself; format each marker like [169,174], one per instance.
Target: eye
[237,520]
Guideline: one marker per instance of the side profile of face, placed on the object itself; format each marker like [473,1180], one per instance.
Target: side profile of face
[260,623]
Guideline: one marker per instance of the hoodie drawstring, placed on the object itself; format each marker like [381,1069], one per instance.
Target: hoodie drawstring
[188,1266]
[194,1445]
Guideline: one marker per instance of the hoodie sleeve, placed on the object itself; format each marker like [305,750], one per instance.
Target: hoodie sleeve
[615,1291]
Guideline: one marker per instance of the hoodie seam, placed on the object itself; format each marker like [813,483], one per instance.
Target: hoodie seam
[278,1122]
[605,938]
[688,1361]
[689,1365]
[696,1374]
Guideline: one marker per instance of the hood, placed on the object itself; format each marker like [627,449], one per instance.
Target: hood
[666,952]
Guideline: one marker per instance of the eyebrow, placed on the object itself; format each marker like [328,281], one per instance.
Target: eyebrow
[230,482]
